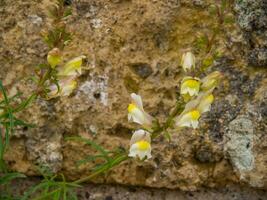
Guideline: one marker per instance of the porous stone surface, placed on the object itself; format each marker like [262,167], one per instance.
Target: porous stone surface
[252,18]
[119,192]
[136,46]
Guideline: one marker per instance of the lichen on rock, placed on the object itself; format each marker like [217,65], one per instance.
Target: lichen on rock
[252,18]
[239,144]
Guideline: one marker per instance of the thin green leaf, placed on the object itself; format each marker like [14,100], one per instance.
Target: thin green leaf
[25,103]
[90,159]
[6,178]
[92,144]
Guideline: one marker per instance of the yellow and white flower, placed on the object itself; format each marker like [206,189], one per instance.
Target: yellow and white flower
[66,87]
[73,67]
[54,57]
[190,86]
[188,61]
[136,112]
[140,145]
[189,119]
[211,81]
[194,109]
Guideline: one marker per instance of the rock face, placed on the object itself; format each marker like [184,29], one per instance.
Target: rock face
[135,46]
[252,18]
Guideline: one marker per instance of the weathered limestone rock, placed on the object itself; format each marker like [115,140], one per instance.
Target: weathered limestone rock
[252,18]
[135,46]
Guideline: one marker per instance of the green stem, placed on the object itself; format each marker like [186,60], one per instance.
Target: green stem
[102,170]
[42,81]
[177,110]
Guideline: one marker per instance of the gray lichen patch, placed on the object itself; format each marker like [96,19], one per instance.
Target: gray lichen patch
[95,89]
[239,143]
[252,19]
[46,152]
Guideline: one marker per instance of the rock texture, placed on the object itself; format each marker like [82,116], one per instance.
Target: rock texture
[252,18]
[110,192]
[135,46]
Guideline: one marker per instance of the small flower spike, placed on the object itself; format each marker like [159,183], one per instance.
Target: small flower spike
[66,87]
[211,81]
[140,145]
[190,86]
[188,61]
[54,57]
[136,112]
[73,67]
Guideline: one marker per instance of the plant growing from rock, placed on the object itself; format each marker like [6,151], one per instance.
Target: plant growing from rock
[56,78]
[196,99]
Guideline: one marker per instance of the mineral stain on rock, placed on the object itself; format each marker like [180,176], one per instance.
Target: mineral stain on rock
[143,70]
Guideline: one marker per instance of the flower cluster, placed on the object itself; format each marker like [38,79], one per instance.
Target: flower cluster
[198,96]
[66,74]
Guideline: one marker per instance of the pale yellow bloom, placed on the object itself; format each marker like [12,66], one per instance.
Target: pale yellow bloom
[73,67]
[140,145]
[136,112]
[188,61]
[189,119]
[211,81]
[193,110]
[54,57]
[66,87]
[190,86]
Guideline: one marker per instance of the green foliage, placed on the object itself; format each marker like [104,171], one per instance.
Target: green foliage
[108,159]
[206,63]
[57,37]
[5,180]
[8,121]
[8,177]
[52,187]
[45,76]
[201,43]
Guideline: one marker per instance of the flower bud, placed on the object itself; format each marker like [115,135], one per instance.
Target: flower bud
[54,57]
[211,81]
[188,61]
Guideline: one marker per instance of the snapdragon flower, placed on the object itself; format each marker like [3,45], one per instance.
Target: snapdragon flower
[190,86]
[189,119]
[140,145]
[73,67]
[194,109]
[66,87]
[188,61]
[136,112]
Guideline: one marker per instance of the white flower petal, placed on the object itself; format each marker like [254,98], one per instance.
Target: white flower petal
[194,123]
[184,120]
[139,117]
[137,100]
[140,135]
